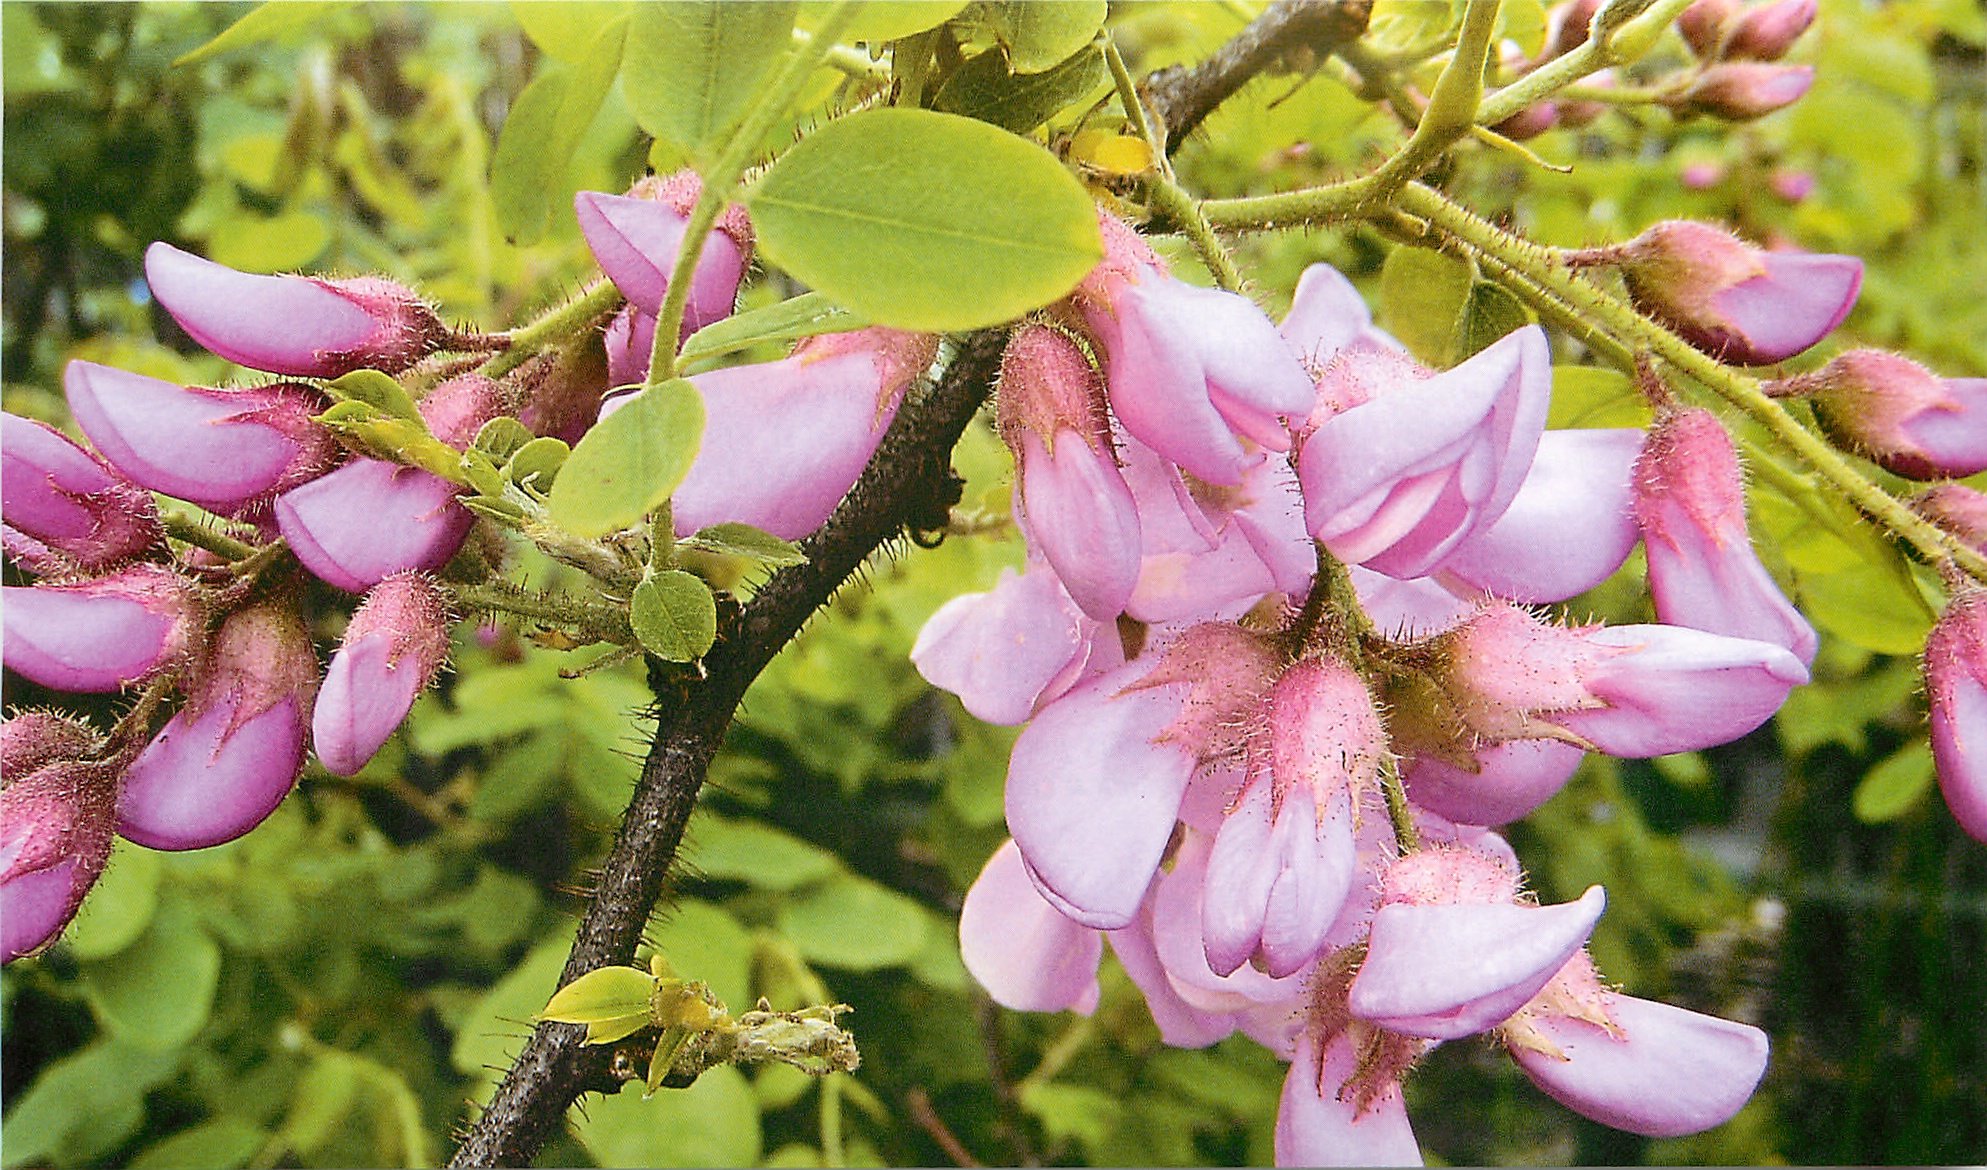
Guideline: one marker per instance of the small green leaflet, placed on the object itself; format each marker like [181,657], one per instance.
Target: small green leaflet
[1893,786]
[743,540]
[535,147]
[806,315]
[630,462]
[693,67]
[674,615]
[613,1002]
[268,22]
[1039,34]
[984,88]
[376,389]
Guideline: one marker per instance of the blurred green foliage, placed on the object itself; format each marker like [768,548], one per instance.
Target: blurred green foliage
[334,988]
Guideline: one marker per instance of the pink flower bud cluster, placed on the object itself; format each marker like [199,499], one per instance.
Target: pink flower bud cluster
[1225,777]
[1739,49]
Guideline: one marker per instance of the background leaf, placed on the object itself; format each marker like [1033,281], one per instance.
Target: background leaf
[693,66]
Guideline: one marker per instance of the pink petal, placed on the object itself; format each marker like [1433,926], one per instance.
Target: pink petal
[1801,299]
[1178,911]
[1002,651]
[1315,1128]
[206,779]
[371,519]
[1181,1025]
[1021,949]
[1280,890]
[283,324]
[1076,509]
[34,907]
[1571,525]
[1680,690]
[1512,779]
[1326,312]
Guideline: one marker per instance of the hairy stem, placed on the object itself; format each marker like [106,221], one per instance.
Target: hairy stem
[555,326]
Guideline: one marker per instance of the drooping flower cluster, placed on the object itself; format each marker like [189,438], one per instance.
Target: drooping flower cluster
[117,606]
[1265,776]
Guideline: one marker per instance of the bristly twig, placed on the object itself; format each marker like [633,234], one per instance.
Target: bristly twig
[1182,96]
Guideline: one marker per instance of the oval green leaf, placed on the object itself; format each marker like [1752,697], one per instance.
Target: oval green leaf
[693,67]
[630,461]
[1041,33]
[674,615]
[608,993]
[964,226]
[984,88]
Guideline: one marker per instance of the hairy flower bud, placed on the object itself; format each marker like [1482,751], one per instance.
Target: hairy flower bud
[1734,301]
[1956,689]
[102,634]
[71,507]
[229,756]
[1073,502]
[30,739]
[1766,32]
[1703,571]
[222,449]
[635,238]
[1739,91]
[1703,25]
[1899,414]
[55,836]
[393,648]
[1958,509]
[299,326]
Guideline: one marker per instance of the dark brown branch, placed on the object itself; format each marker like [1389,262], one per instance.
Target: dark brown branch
[913,463]
[1181,96]
[911,467]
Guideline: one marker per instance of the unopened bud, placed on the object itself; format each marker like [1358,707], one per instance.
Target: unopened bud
[1739,91]
[299,326]
[69,503]
[1703,25]
[1958,509]
[394,647]
[636,237]
[33,738]
[55,835]
[222,449]
[1956,688]
[1766,33]
[103,634]
[1899,414]
[1529,122]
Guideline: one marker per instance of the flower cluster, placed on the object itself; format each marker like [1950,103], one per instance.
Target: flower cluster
[1278,672]
[233,696]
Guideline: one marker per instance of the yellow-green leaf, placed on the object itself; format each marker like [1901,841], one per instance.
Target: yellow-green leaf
[693,67]
[599,996]
[630,461]
[674,615]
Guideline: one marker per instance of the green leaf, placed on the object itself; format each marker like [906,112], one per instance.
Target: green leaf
[120,906]
[220,1144]
[630,461]
[602,996]
[674,615]
[1890,789]
[324,1096]
[742,540]
[482,474]
[1041,33]
[537,463]
[158,992]
[503,437]
[856,924]
[566,28]
[749,851]
[877,23]
[807,315]
[984,88]
[375,389]
[76,1098]
[523,172]
[253,243]
[693,67]
[268,22]
[1489,313]
[714,1122]
[1422,296]
[965,226]
[1595,396]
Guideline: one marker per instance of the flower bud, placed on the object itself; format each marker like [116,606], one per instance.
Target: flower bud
[33,738]
[103,634]
[1529,122]
[298,326]
[1739,91]
[1733,301]
[229,756]
[1491,785]
[72,508]
[1702,176]
[635,238]
[1703,571]
[222,449]
[1703,25]
[1791,185]
[1074,505]
[1899,414]
[1956,688]
[371,519]
[1766,32]
[1569,25]
[560,390]
[393,649]
[55,836]
[1958,509]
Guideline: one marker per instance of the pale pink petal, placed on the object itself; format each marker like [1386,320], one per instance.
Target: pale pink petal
[1315,1128]
[1021,949]
[1571,525]
[1076,509]
[1680,690]
[1511,779]
[1004,650]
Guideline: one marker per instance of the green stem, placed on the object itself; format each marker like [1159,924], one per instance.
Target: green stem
[182,526]
[604,623]
[554,326]
[1544,269]
[1180,207]
[1622,33]
[845,60]
[1059,1054]
[1402,817]
[1352,199]
[722,177]
[1452,107]
[1129,99]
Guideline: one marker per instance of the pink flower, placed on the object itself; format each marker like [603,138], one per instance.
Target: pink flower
[1958,509]
[1570,526]
[1005,651]
[1020,948]
[1326,315]
[393,648]
[1739,91]
[1180,914]
[1956,687]
[1072,503]
[222,449]
[1441,904]
[1282,862]
[1214,551]
[1322,1121]
[1491,785]
[1766,32]
[1645,1067]
[1628,691]
[55,836]
[1397,481]
[230,755]
[784,441]
[1898,413]
[371,519]
[1189,369]
[103,634]
[636,236]
[1095,781]
[1703,572]
[298,326]
[1703,25]
[1181,1024]
[64,507]
[1736,302]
